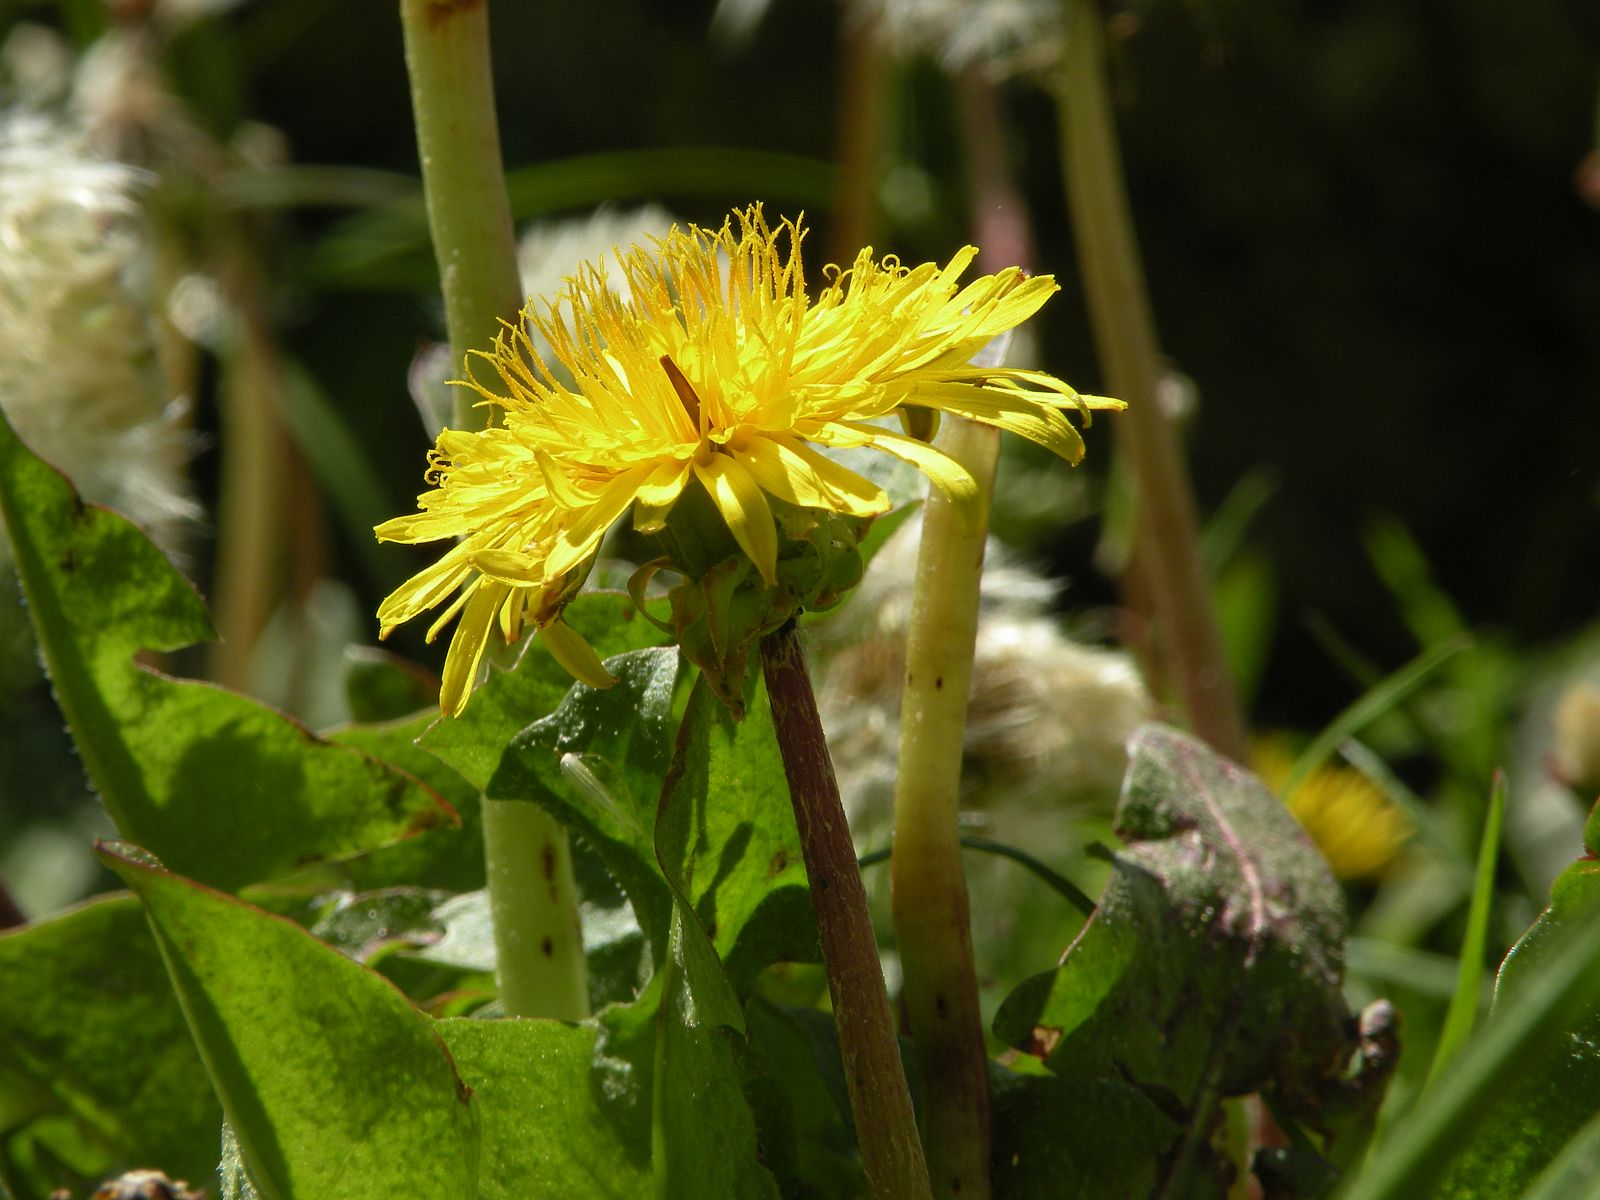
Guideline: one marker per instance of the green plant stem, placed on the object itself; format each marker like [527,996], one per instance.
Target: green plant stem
[880,1101]
[542,971]
[463,180]
[538,935]
[933,929]
[1166,553]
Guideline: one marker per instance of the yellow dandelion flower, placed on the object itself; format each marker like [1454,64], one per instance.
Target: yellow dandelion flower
[1358,829]
[717,370]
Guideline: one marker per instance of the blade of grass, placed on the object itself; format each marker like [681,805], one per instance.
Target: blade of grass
[1463,1012]
[1515,1042]
[1071,892]
[1224,532]
[1374,703]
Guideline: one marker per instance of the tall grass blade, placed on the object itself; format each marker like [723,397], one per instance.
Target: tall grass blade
[1374,703]
[1463,1012]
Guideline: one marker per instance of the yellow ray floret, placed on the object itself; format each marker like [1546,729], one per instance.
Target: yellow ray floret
[718,367]
[1359,830]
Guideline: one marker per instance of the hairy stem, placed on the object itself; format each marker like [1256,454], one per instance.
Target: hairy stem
[933,929]
[542,970]
[886,1125]
[1125,335]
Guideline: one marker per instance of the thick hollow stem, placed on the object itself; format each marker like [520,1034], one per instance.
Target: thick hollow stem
[458,141]
[1125,334]
[537,930]
[932,927]
[537,935]
[886,1125]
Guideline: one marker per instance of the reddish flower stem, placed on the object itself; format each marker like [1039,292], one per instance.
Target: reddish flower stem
[886,1125]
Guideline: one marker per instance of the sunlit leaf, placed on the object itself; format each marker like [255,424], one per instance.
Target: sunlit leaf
[545,1129]
[511,700]
[333,1083]
[223,789]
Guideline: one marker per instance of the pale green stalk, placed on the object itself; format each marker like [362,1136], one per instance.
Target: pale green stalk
[933,929]
[534,901]
[542,971]
[1166,553]
[458,141]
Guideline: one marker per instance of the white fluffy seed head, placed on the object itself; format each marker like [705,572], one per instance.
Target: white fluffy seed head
[80,377]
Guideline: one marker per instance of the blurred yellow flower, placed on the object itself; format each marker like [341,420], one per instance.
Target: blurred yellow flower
[1358,829]
[718,370]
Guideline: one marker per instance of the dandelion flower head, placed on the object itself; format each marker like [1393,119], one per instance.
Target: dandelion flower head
[1358,829]
[712,367]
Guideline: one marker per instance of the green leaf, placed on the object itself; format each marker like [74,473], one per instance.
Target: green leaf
[598,763]
[545,1129]
[794,1082]
[726,840]
[334,1084]
[1074,1139]
[450,858]
[1220,928]
[704,1135]
[91,1032]
[380,686]
[1575,1172]
[509,701]
[223,789]
[1377,700]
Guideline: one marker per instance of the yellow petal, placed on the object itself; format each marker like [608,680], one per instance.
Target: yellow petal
[568,647]
[466,648]
[792,471]
[560,484]
[509,566]
[427,588]
[581,538]
[949,476]
[657,495]
[1036,421]
[745,509]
